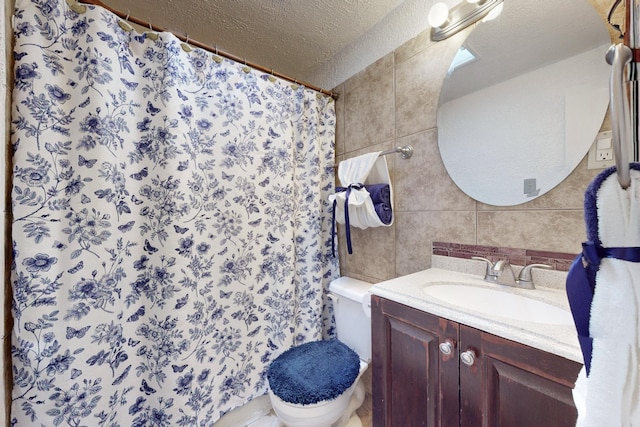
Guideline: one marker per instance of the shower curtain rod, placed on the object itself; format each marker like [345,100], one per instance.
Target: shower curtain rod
[195,43]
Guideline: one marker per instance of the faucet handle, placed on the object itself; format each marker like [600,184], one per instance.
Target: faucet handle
[501,265]
[525,274]
[489,271]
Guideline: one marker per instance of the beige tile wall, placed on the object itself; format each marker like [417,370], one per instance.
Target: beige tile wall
[392,103]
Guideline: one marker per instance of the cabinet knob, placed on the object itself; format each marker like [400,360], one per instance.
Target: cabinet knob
[446,347]
[468,357]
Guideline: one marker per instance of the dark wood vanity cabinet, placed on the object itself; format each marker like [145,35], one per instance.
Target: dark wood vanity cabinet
[507,384]
[413,383]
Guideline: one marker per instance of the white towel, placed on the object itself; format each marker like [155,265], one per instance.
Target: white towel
[369,168]
[609,397]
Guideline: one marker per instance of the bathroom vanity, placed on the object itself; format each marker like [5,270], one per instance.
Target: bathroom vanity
[439,363]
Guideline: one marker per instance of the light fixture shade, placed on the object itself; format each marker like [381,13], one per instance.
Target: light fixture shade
[438,15]
[459,17]
[495,12]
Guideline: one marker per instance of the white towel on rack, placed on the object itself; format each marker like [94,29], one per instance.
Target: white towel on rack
[368,168]
[610,395]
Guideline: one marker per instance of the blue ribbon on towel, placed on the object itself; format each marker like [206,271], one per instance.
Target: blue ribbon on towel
[581,285]
[348,189]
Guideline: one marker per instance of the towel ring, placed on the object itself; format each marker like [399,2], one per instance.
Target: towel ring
[610,16]
[618,56]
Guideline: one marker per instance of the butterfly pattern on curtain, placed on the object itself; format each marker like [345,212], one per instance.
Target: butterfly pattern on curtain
[171,230]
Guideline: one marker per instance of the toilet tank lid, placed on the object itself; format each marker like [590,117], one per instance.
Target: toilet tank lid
[348,287]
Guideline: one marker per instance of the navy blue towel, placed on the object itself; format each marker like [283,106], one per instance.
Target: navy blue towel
[380,193]
[313,372]
[384,212]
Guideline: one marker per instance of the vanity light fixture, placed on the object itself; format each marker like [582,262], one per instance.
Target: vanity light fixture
[446,22]
[493,13]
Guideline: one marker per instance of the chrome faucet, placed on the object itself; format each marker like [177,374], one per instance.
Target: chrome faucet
[501,273]
[504,272]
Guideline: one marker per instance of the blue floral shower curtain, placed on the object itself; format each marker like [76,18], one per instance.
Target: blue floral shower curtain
[171,232]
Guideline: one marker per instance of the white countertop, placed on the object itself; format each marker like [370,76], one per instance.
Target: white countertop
[556,339]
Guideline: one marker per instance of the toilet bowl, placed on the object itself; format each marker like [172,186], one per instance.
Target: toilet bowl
[302,397]
[338,412]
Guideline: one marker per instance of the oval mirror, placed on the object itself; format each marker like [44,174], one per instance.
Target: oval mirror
[524,100]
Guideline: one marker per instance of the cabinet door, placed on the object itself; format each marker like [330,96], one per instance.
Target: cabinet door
[414,384]
[511,384]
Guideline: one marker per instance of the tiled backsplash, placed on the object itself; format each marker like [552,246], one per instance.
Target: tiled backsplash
[558,260]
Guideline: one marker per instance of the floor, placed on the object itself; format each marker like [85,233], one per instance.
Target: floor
[268,421]
[272,421]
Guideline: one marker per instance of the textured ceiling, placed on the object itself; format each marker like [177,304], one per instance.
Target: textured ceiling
[293,37]
[323,42]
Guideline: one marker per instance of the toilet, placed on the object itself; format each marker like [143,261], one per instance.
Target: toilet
[317,384]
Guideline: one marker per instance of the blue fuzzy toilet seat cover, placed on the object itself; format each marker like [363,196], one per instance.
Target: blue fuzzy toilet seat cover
[313,372]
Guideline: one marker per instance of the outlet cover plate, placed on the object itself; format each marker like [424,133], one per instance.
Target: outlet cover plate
[592,157]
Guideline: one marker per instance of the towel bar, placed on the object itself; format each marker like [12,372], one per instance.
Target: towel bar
[405,151]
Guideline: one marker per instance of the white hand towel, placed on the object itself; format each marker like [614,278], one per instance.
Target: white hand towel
[369,168]
[610,395]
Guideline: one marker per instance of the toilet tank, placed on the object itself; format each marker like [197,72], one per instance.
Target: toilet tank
[352,311]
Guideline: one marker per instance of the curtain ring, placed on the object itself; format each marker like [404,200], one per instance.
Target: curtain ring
[185,46]
[76,7]
[217,58]
[125,24]
[246,69]
[151,34]
[272,78]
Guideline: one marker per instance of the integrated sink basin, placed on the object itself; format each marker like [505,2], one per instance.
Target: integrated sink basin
[495,302]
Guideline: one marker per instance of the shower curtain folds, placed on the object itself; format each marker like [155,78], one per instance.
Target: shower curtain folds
[171,231]
[146,24]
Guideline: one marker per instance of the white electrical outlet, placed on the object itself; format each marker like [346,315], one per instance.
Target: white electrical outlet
[601,152]
[606,154]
